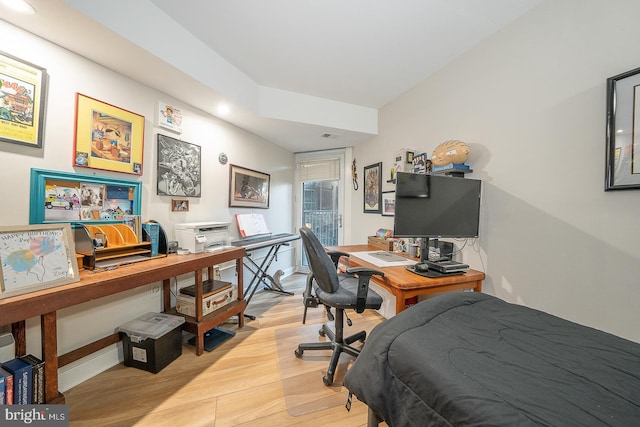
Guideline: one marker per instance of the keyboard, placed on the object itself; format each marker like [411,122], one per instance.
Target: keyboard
[264,241]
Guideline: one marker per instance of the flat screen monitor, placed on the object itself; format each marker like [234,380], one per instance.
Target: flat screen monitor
[435,206]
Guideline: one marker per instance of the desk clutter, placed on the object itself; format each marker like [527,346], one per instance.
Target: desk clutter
[109,245]
[438,250]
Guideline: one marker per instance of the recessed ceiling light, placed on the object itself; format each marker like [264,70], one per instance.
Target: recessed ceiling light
[19,6]
[619,131]
[223,109]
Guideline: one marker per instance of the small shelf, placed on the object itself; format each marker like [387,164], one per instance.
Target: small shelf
[453,172]
[211,320]
[102,255]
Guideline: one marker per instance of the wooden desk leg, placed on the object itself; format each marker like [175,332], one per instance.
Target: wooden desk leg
[166,294]
[400,298]
[18,330]
[239,272]
[478,286]
[50,355]
[199,312]
[199,344]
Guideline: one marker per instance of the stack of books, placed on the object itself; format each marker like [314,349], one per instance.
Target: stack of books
[22,381]
[450,166]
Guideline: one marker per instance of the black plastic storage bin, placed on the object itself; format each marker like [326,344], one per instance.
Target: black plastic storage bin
[152,341]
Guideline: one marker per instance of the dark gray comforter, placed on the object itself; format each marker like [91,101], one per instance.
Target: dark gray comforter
[470,359]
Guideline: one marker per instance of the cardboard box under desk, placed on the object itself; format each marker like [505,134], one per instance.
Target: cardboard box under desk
[381,243]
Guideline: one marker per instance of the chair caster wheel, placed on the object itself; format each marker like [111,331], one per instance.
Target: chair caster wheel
[363,339]
[321,332]
[327,380]
[298,352]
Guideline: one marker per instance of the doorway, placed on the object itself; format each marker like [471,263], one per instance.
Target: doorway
[320,197]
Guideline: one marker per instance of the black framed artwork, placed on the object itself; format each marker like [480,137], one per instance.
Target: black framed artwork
[622,169]
[372,186]
[388,203]
[179,168]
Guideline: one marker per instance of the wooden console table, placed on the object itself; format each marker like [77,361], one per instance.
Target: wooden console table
[92,285]
[404,284]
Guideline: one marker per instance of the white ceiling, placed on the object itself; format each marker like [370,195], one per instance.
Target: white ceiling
[290,70]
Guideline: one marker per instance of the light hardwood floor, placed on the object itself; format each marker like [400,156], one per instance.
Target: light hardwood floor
[237,384]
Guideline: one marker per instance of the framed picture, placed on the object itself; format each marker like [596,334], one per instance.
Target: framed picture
[23,96]
[36,257]
[248,188]
[179,168]
[372,188]
[71,197]
[179,205]
[169,117]
[421,163]
[622,170]
[409,157]
[107,137]
[388,203]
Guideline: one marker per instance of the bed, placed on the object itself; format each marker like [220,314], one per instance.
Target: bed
[470,359]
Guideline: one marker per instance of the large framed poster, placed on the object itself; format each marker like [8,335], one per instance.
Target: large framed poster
[108,137]
[23,96]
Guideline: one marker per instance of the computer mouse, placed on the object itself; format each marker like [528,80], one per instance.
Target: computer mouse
[421,266]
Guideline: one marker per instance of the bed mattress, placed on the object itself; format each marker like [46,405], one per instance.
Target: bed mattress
[470,359]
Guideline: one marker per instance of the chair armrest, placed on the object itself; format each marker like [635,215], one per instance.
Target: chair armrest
[364,275]
[336,255]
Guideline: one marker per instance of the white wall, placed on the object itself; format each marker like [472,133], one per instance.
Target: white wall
[70,73]
[530,102]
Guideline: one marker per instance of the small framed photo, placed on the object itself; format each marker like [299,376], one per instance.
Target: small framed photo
[36,257]
[169,117]
[179,205]
[372,188]
[388,203]
[409,158]
[107,137]
[421,163]
[248,188]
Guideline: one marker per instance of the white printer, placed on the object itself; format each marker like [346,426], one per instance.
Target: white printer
[201,236]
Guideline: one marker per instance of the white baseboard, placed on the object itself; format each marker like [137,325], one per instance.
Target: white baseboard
[75,373]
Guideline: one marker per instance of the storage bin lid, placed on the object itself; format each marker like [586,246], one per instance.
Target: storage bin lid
[151,325]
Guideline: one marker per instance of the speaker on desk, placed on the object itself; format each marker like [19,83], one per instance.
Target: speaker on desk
[7,347]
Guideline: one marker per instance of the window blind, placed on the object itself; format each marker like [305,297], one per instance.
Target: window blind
[318,169]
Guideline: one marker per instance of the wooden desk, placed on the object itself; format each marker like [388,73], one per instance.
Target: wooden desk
[404,284]
[92,285]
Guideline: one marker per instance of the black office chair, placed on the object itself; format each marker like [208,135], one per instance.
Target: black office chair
[339,291]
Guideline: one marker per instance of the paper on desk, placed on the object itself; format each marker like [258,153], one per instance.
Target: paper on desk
[382,258]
